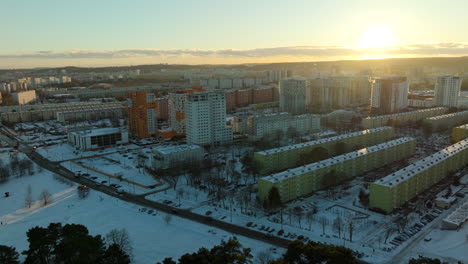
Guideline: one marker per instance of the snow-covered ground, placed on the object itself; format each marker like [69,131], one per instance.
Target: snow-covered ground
[152,238]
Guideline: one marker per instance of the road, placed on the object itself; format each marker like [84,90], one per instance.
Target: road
[141,200]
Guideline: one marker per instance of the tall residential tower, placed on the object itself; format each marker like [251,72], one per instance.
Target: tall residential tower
[447,90]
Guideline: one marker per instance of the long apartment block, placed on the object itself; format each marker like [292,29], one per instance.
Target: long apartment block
[413,116]
[444,122]
[287,157]
[306,179]
[460,133]
[396,189]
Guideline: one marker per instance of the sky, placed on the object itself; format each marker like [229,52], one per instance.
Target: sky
[129,32]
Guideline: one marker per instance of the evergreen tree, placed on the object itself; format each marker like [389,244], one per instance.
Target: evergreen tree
[8,255]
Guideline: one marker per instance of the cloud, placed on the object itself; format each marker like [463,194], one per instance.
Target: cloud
[432,49]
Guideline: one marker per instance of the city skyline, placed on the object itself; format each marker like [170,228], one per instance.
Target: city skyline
[207,32]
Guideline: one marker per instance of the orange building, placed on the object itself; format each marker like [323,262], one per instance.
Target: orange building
[142,114]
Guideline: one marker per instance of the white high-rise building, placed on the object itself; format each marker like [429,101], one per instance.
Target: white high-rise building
[389,94]
[447,90]
[293,95]
[206,119]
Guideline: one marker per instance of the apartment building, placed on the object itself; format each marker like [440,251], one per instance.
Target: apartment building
[402,118]
[447,90]
[25,97]
[447,121]
[396,189]
[389,94]
[167,157]
[264,125]
[292,93]
[338,92]
[206,119]
[142,114]
[176,106]
[287,157]
[300,181]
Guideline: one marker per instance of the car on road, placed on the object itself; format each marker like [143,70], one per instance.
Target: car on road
[208,213]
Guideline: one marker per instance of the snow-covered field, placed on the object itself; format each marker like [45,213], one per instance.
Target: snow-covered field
[152,238]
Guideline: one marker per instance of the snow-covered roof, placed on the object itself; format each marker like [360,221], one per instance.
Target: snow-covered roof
[448,115]
[460,215]
[98,132]
[324,140]
[332,161]
[406,113]
[465,126]
[422,165]
[175,148]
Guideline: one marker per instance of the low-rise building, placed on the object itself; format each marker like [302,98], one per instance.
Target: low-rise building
[98,138]
[176,156]
[282,158]
[304,180]
[396,189]
[456,219]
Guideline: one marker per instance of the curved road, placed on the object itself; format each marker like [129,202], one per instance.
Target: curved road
[142,201]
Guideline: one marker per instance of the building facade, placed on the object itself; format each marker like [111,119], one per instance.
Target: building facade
[25,97]
[287,157]
[259,126]
[389,94]
[338,92]
[459,133]
[447,121]
[447,90]
[292,93]
[206,119]
[97,138]
[304,180]
[402,118]
[176,156]
[142,114]
[396,189]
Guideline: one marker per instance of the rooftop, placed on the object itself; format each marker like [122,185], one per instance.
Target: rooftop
[324,140]
[422,165]
[407,113]
[175,148]
[98,131]
[448,115]
[460,215]
[338,159]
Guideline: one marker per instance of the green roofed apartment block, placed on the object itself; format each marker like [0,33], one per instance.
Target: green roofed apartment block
[396,189]
[402,118]
[304,180]
[444,122]
[282,158]
[459,133]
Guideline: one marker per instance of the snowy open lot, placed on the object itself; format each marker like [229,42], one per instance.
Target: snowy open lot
[153,239]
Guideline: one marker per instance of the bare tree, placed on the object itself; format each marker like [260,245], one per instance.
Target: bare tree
[390,229]
[310,218]
[167,218]
[338,225]
[28,200]
[264,257]
[324,222]
[45,197]
[120,238]
[350,228]
[180,193]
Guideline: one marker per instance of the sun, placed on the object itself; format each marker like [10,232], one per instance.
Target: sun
[376,36]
